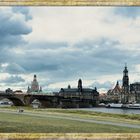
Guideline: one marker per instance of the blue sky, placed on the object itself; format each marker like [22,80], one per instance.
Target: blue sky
[63,44]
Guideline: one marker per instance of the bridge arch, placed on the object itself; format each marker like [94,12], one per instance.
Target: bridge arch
[14,100]
[42,103]
[45,102]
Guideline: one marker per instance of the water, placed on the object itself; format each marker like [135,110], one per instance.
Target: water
[113,110]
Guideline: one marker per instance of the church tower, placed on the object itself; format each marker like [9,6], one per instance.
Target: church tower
[28,89]
[80,85]
[34,85]
[69,87]
[125,85]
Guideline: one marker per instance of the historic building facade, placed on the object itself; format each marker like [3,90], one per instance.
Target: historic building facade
[114,95]
[135,92]
[82,94]
[34,86]
[128,93]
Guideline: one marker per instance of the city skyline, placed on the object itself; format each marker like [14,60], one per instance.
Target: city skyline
[63,44]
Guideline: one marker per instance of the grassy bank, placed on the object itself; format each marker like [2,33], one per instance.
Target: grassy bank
[92,113]
[121,118]
[24,123]
[83,113]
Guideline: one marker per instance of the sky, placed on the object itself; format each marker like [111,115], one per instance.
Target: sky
[62,44]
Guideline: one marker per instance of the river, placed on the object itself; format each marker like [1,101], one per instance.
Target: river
[112,110]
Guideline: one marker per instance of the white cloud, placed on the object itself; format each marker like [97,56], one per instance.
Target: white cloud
[66,24]
[63,24]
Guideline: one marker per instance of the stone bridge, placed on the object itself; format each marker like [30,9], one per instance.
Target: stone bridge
[48,100]
[27,99]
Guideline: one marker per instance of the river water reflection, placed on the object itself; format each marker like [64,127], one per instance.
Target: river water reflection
[113,110]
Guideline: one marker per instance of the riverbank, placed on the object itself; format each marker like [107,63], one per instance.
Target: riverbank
[94,113]
[112,110]
[65,121]
[100,116]
[81,112]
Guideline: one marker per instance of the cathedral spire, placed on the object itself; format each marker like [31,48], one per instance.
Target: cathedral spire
[40,89]
[28,89]
[80,85]
[35,78]
[69,87]
[117,83]
[125,84]
[125,77]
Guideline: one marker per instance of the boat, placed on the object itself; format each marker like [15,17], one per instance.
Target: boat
[125,106]
[113,105]
[102,105]
[134,106]
[5,104]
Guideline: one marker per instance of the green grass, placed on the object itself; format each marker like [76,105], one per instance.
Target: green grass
[24,123]
[92,113]
[82,112]
[121,118]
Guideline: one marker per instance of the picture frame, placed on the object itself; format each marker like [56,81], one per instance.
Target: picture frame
[70,136]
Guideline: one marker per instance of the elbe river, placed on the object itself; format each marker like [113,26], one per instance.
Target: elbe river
[112,110]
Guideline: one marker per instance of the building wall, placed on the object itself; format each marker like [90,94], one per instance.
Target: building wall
[135,91]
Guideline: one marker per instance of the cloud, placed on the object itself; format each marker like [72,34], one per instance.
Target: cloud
[128,12]
[85,23]
[13,68]
[12,28]
[87,59]
[47,45]
[12,80]
[105,85]
[23,10]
